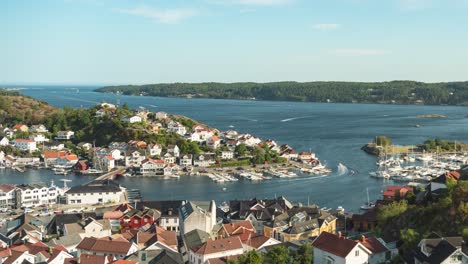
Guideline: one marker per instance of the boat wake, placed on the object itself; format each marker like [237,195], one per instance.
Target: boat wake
[150,105]
[231,126]
[294,118]
[342,169]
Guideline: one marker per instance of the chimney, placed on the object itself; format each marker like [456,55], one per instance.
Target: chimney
[339,234]
[363,238]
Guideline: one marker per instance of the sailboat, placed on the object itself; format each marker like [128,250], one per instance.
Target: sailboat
[368,205]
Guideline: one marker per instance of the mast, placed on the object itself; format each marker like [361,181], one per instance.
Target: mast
[368,200]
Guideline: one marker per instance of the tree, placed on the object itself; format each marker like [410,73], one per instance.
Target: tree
[383,141]
[410,238]
[278,255]
[387,212]
[241,149]
[304,255]
[251,257]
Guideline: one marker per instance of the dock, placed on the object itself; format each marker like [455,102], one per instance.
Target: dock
[110,175]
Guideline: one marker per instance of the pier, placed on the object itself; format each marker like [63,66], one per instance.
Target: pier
[110,175]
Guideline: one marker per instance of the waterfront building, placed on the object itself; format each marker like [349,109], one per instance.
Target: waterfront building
[32,195]
[152,167]
[96,192]
[28,145]
[186,160]
[134,157]
[108,162]
[203,160]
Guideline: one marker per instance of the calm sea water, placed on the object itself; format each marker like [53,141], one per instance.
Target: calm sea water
[334,131]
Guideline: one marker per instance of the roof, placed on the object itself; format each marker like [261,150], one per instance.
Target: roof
[438,252]
[336,245]
[92,259]
[96,187]
[158,256]
[54,154]
[196,238]
[112,214]
[257,241]
[24,140]
[373,244]
[6,187]
[220,245]
[105,245]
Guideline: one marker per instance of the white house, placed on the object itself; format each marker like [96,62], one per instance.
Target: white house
[4,141]
[174,150]
[203,161]
[38,129]
[108,162]
[249,140]
[115,154]
[212,249]
[133,158]
[154,149]
[31,195]
[336,249]
[197,215]
[186,160]
[447,250]
[151,167]
[7,195]
[169,158]
[65,135]
[161,115]
[176,127]
[213,142]
[226,155]
[88,227]
[96,192]
[39,138]
[25,144]
[131,119]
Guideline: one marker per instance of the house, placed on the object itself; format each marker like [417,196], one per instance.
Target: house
[50,157]
[154,149]
[20,128]
[227,155]
[4,141]
[54,145]
[306,156]
[330,248]
[9,133]
[197,215]
[115,154]
[436,249]
[134,157]
[38,129]
[152,167]
[365,222]
[107,105]
[65,135]
[231,134]
[69,160]
[393,193]
[161,239]
[249,140]
[258,242]
[214,249]
[161,115]
[157,256]
[31,195]
[7,196]
[135,218]
[39,138]
[96,192]
[203,160]
[174,150]
[81,165]
[186,160]
[176,127]
[169,158]
[242,229]
[116,248]
[137,144]
[25,144]
[85,146]
[131,119]
[213,142]
[88,227]
[9,255]
[168,212]
[108,162]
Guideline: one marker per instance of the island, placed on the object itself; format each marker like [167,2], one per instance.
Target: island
[394,92]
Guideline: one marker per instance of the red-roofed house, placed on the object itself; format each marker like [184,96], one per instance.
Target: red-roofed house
[243,229]
[21,127]
[152,167]
[213,249]
[25,144]
[108,162]
[213,142]
[106,247]
[330,248]
[396,192]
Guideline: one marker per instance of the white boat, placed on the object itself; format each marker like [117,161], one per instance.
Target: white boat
[368,205]
[92,171]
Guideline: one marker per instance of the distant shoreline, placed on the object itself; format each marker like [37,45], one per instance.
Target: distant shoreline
[391,93]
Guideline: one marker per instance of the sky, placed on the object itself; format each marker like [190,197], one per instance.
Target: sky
[165,41]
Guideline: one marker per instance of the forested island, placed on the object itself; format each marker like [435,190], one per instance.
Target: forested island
[395,92]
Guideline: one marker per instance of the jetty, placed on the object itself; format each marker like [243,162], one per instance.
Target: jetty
[110,175]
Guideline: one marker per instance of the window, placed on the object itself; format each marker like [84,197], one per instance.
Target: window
[136,221]
[356,253]
[167,220]
[330,260]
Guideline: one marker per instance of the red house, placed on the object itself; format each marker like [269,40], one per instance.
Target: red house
[134,219]
[81,165]
[396,192]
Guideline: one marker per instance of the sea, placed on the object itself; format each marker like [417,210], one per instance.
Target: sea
[335,132]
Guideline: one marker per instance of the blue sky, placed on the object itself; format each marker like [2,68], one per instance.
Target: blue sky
[152,41]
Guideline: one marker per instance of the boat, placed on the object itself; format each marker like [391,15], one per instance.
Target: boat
[368,205]
[92,171]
